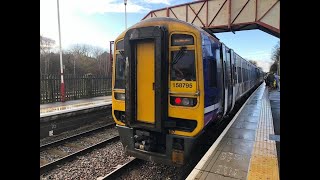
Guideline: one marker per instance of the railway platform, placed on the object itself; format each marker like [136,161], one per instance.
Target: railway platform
[75,105]
[246,149]
[59,117]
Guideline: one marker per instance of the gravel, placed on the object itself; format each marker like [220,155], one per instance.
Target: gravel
[88,127]
[52,154]
[67,149]
[150,170]
[102,161]
[48,157]
[92,165]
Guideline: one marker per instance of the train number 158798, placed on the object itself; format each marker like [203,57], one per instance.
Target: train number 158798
[182,85]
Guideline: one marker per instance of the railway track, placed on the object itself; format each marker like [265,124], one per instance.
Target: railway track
[54,123]
[110,162]
[120,169]
[139,169]
[71,142]
[75,136]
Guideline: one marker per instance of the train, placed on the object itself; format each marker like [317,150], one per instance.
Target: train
[170,81]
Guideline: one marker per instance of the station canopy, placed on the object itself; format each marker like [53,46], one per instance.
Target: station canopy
[216,16]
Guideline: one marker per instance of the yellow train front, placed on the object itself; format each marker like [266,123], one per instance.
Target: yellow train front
[162,98]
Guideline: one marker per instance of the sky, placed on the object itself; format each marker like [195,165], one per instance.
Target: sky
[96,22]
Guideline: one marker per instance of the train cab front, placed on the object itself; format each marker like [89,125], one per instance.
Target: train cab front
[156,99]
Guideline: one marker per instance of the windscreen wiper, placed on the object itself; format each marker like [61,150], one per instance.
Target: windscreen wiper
[179,55]
[122,53]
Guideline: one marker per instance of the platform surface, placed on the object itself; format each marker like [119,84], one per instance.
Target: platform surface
[75,105]
[246,149]
[274,97]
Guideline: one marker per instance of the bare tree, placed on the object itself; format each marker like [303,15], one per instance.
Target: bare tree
[46,46]
[276,58]
[79,59]
[81,50]
[253,62]
[276,52]
[97,52]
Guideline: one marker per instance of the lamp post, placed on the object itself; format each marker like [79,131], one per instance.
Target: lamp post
[125,12]
[62,90]
[279,66]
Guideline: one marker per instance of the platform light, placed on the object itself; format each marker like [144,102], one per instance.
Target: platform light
[62,89]
[125,12]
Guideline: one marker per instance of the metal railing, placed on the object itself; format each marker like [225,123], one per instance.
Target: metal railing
[76,87]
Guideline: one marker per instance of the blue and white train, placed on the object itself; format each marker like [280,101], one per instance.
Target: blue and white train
[170,80]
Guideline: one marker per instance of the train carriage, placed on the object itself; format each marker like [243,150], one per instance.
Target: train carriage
[170,80]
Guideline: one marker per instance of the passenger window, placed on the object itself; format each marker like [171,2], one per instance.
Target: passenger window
[120,45]
[212,71]
[243,74]
[235,73]
[120,67]
[246,74]
[119,72]
[229,68]
[206,46]
[208,52]
[240,74]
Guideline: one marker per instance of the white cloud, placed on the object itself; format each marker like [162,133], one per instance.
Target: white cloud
[167,2]
[103,6]
[263,55]
[265,65]
[74,27]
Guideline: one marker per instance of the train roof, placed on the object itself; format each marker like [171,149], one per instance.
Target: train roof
[168,19]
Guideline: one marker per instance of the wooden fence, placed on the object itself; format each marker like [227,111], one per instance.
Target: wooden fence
[76,87]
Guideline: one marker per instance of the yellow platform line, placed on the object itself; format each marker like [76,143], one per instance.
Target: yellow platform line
[263,162]
[198,171]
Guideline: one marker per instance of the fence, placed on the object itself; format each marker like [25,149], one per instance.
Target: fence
[76,87]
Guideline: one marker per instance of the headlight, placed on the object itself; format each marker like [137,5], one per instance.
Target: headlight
[120,96]
[186,101]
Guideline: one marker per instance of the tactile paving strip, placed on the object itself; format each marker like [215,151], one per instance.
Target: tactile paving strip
[263,163]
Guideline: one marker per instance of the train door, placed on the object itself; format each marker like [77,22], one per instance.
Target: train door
[229,78]
[225,85]
[209,54]
[145,81]
[243,77]
[233,79]
[146,102]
